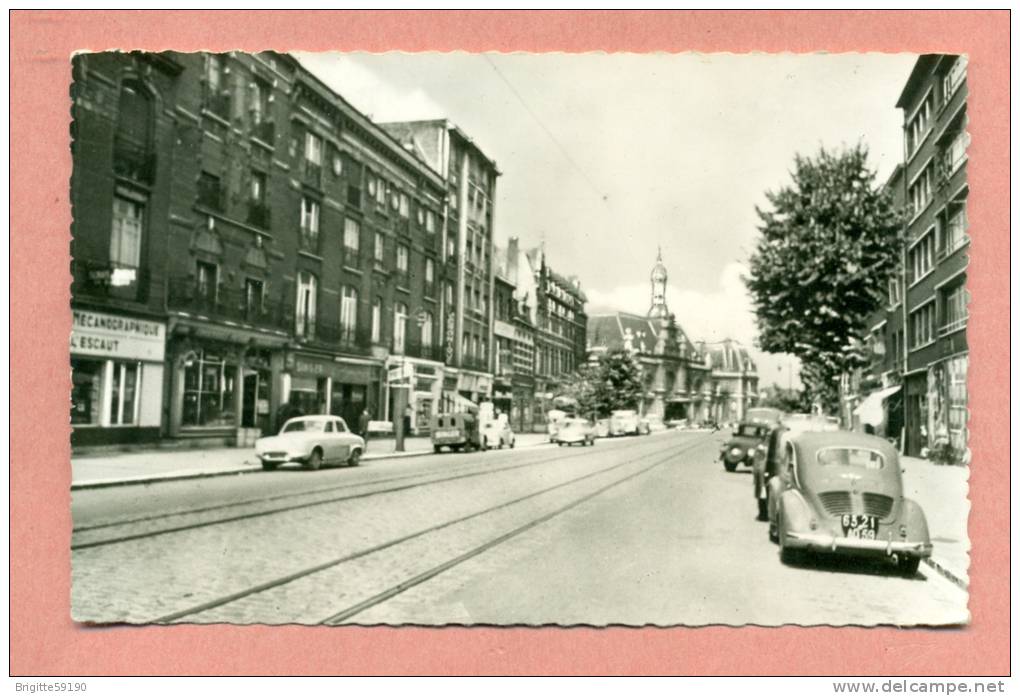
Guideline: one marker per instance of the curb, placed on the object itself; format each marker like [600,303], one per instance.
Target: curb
[239,471]
[948,574]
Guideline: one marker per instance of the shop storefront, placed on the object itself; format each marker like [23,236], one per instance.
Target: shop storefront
[337,386]
[116,378]
[474,386]
[425,398]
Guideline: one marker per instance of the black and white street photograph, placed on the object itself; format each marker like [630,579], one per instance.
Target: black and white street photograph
[519,339]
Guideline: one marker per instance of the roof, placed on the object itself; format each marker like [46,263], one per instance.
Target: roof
[728,356]
[609,331]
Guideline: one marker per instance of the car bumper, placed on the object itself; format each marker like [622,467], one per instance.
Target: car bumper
[275,458]
[875,547]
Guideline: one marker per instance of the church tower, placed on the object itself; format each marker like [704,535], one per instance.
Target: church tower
[658,309]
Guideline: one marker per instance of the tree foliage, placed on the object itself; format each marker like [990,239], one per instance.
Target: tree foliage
[788,400]
[613,384]
[828,247]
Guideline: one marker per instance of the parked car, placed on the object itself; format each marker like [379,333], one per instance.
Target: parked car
[624,423]
[457,431]
[496,433]
[602,427]
[575,430]
[312,441]
[766,459]
[842,492]
[743,445]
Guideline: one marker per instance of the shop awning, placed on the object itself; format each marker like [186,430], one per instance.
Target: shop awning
[871,410]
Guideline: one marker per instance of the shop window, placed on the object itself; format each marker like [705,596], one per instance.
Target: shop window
[306,296]
[308,394]
[210,391]
[123,394]
[957,388]
[86,391]
[126,235]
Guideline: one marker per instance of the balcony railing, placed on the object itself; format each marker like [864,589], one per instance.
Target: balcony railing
[106,281]
[952,326]
[265,131]
[185,294]
[134,161]
[349,339]
[475,363]
[260,215]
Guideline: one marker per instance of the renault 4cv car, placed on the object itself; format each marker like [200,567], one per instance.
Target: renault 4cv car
[575,430]
[767,457]
[842,492]
[742,447]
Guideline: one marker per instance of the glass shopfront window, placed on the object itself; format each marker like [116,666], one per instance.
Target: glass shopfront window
[210,391]
[123,393]
[86,391]
[309,394]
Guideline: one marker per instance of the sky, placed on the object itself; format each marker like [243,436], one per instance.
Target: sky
[605,158]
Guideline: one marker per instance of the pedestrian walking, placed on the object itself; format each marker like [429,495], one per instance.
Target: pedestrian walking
[363,420]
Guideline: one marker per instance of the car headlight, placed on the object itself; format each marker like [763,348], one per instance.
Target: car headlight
[736,451]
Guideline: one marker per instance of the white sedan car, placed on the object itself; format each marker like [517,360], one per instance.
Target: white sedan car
[311,441]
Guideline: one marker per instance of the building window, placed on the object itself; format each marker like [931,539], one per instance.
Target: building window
[430,276]
[348,313]
[209,191]
[209,391]
[376,319]
[922,325]
[352,241]
[207,283]
[957,73]
[402,258]
[920,256]
[371,185]
[126,235]
[954,228]
[306,296]
[260,92]
[405,205]
[430,221]
[133,158]
[394,198]
[449,295]
[309,224]
[920,191]
[86,391]
[895,290]
[217,96]
[957,377]
[380,195]
[954,309]
[379,251]
[399,326]
[917,129]
[313,149]
[123,393]
[426,330]
[955,153]
[258,187]
[254,293]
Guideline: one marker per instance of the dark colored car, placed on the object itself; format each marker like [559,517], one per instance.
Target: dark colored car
[764,416]
[742,447]
[458,431]
[842,493]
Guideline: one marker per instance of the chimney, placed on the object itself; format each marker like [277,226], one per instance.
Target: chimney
[512,251]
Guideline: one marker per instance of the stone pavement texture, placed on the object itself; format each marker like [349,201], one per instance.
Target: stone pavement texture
[942,493]
[153,465]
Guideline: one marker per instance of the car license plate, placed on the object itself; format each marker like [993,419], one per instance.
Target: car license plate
[860,526]
[448,433]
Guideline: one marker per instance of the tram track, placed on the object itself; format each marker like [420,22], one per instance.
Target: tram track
[660,456]
[474,469]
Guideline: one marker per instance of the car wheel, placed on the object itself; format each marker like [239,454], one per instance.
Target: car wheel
[269,466]
[790,556]
[908,566]
[355,458]
[500,443]
[773,532]
[314,459]
[437,448]
[730,466]
[513,442]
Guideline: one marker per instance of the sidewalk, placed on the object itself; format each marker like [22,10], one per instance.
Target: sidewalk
[941,491]
[101,470]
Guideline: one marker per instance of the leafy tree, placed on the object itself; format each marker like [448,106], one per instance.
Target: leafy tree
[615,383]
[789,400]
[828,247]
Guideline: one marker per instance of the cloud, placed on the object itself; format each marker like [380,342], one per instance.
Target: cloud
[710,314]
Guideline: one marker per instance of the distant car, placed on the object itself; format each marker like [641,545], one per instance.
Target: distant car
[767,416]
[842,492]
[457,431]
[575,431]
[742,447]
[496,433]
[312,441]
[766,459]
[624,423]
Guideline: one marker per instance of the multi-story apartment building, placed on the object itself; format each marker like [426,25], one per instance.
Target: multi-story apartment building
[561,327]
[276,245]
[514,336]
[470,184]
[921,335]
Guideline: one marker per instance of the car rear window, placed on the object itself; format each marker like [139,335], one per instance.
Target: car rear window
[851,457]
[312,426]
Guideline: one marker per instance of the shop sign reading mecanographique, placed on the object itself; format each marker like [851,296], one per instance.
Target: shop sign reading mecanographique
[112,336]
